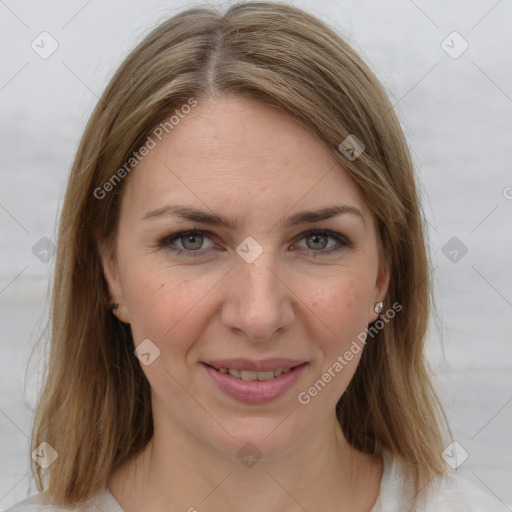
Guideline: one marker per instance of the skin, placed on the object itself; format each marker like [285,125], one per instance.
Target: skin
[255,166]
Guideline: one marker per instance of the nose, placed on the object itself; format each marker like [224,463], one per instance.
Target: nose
[257,301]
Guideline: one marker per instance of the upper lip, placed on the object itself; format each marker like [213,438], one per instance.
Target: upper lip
[256,366]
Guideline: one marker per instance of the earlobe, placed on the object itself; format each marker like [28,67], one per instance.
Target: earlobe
[381,290]
[115,309]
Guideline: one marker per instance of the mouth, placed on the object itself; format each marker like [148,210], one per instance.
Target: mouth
[253,375]
[255,383]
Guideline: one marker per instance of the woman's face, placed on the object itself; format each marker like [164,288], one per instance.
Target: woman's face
[268,280]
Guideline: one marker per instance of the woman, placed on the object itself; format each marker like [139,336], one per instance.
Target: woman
[242,287]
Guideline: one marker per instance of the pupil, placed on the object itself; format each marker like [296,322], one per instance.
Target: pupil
[195,240]
[315,239]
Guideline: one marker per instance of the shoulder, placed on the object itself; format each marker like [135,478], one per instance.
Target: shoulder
[456,494]
[36,503]
[40,502]
[447,493]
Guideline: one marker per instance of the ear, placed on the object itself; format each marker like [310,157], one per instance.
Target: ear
[112,277]
[380,290]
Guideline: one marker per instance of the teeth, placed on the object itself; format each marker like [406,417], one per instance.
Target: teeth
[265,375]
[247,375]
[252,375]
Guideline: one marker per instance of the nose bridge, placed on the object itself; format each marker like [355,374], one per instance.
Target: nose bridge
[258,302]
[260,276]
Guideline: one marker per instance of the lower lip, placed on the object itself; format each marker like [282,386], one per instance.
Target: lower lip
[255,391]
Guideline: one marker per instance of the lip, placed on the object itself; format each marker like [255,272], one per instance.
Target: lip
[255,392]
[256,366]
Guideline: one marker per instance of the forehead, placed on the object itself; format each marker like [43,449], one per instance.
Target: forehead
[233,152]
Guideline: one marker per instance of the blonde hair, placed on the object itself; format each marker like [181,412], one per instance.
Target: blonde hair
[95,407]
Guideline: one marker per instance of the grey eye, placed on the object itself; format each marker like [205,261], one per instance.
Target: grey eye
[317,241]
[192,242]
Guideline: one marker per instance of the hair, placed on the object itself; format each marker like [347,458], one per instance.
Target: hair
[95,407]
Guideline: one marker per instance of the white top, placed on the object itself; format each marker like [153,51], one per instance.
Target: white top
[451,493]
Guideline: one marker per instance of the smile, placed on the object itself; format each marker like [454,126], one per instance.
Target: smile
[256,386]
[252,375]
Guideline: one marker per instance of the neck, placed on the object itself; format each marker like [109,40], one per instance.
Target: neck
[179,472]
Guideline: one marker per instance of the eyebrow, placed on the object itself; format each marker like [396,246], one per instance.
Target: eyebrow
[214,219]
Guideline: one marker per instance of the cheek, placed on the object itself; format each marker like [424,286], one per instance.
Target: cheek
[343,307]
[166,304]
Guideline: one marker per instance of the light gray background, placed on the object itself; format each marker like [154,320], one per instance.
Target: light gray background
[456,113]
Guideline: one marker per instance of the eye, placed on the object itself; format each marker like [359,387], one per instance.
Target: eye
[317,240]
[191,242]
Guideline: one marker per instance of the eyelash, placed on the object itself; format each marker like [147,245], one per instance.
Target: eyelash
[165,242]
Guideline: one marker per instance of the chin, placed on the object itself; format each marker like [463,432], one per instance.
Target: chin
[255,438]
